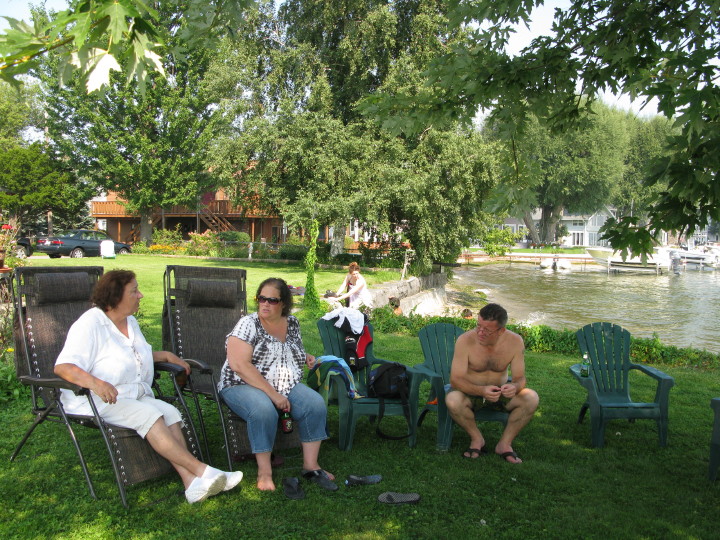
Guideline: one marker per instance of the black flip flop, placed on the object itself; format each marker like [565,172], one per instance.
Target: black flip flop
[320,478]
[292,488]
[354,480]
[390,497]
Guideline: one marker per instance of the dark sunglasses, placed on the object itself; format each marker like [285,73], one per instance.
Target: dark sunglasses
[271,301]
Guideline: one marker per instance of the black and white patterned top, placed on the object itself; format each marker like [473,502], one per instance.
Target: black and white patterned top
[280,363]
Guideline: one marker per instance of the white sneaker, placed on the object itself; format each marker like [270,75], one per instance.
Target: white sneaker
[232,479]
[202,488]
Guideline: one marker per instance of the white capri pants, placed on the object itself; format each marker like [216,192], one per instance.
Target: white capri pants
[140,414]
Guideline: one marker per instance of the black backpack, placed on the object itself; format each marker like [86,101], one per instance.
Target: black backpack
[390,381]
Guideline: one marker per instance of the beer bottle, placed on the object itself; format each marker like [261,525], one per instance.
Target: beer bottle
[585,366]
[286,422]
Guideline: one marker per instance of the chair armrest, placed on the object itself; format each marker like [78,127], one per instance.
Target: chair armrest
[200,366]
[167,367]
[654,372]
[424,371]
[587,382]
[378,361]
[53,382]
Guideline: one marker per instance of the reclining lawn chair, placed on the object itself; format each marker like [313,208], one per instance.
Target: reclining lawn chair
[438,346]
[715,441]
[48,300]
[202,306]
[333,340]
[608,389]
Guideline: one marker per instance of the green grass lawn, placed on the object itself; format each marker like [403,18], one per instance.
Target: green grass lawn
[632,488]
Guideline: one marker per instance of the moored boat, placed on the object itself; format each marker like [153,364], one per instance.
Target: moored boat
[658,261]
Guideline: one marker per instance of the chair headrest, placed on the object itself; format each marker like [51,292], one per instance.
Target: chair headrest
[208,293]
[59,287]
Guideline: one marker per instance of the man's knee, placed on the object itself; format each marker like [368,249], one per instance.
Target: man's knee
[456,400]
[528,399]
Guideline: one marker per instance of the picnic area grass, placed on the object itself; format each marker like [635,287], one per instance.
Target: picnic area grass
[631,488]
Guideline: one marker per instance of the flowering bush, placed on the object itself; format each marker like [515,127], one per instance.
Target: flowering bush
[206,244]
[8,232]
[165,249]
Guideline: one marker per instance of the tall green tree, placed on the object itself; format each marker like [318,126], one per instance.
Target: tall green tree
[295,135]
[576,170]
[666,50]
[33,183]
[20,109]
[149,147]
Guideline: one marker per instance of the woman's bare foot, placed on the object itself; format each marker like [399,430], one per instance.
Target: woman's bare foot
[265,482]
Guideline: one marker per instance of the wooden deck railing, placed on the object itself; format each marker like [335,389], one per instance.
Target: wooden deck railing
[223,208]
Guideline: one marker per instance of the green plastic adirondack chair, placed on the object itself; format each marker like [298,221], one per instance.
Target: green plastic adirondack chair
[715,441]
[438,346]
[608,390]
[333,340]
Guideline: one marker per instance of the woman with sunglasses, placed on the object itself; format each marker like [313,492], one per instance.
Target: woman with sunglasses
[261,379]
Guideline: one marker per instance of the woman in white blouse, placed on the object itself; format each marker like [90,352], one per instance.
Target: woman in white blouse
[261,377]
[354,288]
[106,352]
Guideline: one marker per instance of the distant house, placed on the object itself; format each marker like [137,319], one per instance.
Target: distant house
[582,228]
[214,211]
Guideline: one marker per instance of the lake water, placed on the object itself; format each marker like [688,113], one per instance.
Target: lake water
[684,310]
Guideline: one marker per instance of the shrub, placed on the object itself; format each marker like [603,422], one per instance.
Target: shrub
[165,249]
[168,237]
[140,248]
[344,259]
[234,251]
[206,244]
[292,252]
[234,236]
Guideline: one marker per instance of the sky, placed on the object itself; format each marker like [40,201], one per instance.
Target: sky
[541,24]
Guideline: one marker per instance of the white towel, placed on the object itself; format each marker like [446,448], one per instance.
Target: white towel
[354,316]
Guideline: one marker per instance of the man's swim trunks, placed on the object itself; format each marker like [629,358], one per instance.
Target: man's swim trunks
[479,402]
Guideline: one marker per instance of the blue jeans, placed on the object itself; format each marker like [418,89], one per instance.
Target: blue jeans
[307,409]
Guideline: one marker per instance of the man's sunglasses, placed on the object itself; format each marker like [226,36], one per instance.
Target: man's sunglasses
[271,301]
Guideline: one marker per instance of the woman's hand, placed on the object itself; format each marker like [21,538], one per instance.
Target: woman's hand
[167,356]
[309,360]
[104,390]
[281,402]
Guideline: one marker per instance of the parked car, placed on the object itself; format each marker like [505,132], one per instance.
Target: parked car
[77,243]
[23,247]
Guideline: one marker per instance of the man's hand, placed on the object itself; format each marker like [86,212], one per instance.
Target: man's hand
[508,390]
[492,393]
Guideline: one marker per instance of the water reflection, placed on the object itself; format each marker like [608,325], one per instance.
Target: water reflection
[684,310]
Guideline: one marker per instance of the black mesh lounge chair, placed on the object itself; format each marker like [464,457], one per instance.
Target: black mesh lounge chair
[48,300]
[202,306]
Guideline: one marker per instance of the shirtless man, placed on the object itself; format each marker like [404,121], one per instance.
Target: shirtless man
[479,378]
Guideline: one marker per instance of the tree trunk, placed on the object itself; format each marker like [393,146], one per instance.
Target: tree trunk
[532,230]
[146,226]
[337,246]
[548,222]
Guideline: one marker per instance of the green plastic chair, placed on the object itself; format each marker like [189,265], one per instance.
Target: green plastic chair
[608,389]
[350,410]
[715,441]
[438,346]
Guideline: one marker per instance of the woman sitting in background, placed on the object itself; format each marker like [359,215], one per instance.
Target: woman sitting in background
[354,288]
[261,376]
[106,352]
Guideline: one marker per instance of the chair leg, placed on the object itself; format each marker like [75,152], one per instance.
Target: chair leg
[583,410]
[662,427]
[598,432]
[444,431]
[714,461]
